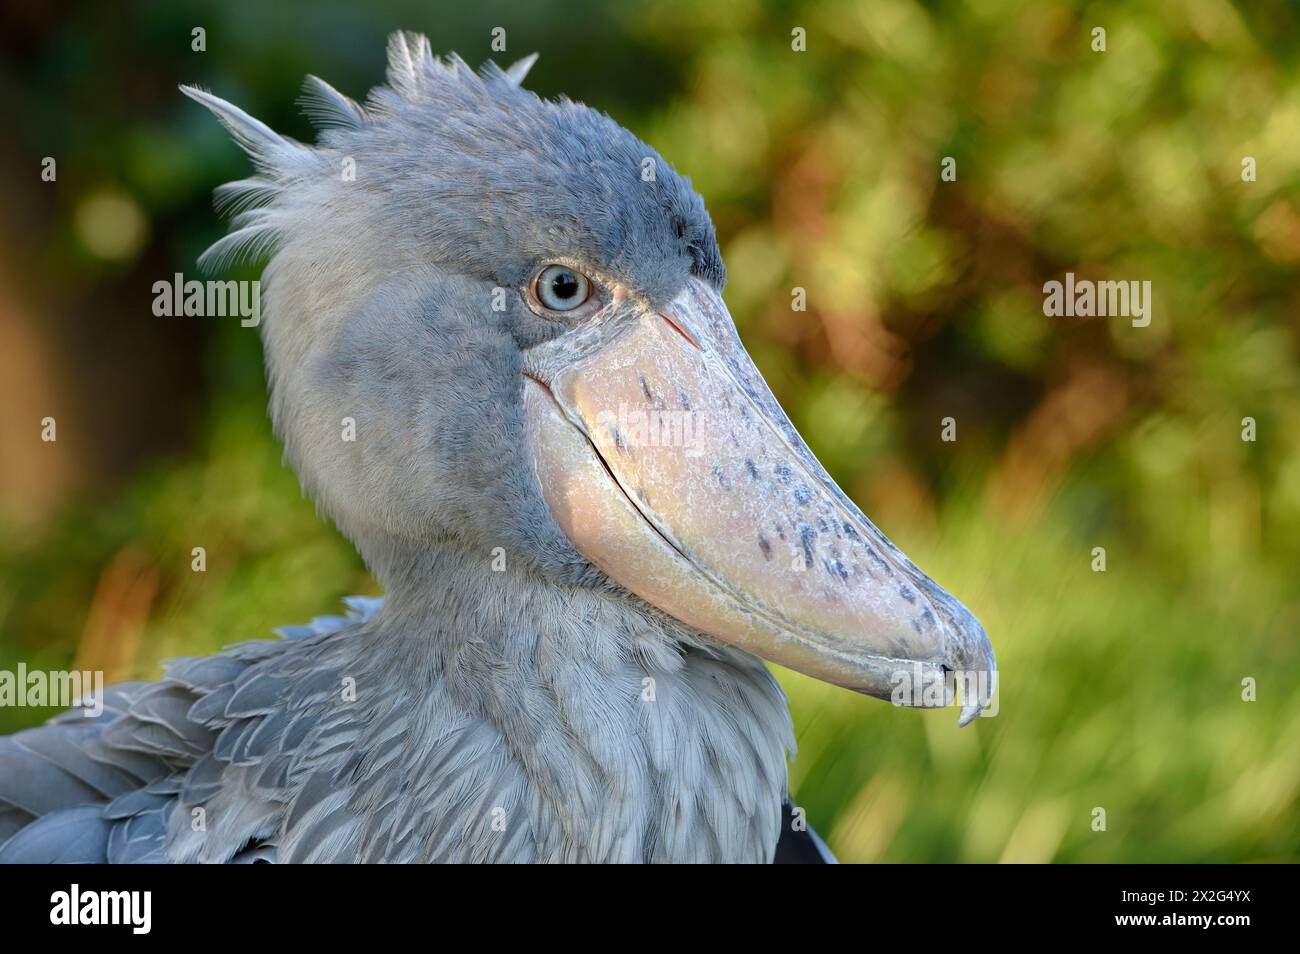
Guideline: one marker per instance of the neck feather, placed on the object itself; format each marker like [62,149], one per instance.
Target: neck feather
[619,734]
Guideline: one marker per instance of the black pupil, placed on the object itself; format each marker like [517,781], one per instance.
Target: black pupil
[565,285]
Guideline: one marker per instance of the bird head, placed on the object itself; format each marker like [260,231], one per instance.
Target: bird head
[518,306]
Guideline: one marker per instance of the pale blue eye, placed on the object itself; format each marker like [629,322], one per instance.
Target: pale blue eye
[560,288]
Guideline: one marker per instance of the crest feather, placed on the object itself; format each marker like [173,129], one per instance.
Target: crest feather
[231,198]
[247,244]
[327,108]
[517,70]
[278,159]
[268,149]
[410,62]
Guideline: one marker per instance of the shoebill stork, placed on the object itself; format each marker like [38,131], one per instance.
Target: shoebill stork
[591,519]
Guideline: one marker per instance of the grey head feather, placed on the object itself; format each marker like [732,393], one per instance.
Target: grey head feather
[477,156]
[279,160]
[518,70]
[326,107]
[271,152]
[410,62]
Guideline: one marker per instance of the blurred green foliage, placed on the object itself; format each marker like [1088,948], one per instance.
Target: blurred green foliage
[1121,690]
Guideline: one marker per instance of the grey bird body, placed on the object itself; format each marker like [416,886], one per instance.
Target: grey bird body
[565,665]
[499,733]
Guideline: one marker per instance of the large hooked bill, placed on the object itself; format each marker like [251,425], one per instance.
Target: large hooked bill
[665,459]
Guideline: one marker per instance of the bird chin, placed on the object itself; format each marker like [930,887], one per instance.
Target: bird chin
[664,458]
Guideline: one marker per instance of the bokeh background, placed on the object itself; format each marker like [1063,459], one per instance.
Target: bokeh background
[1121,689]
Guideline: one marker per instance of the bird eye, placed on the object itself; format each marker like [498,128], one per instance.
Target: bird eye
[560,288]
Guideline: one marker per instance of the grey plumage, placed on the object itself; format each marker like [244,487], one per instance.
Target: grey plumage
[410,772]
